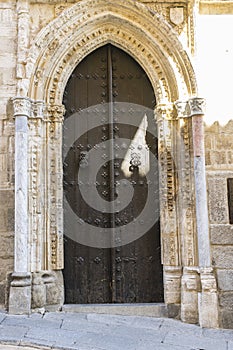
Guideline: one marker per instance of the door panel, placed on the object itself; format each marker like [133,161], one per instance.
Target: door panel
[132,272]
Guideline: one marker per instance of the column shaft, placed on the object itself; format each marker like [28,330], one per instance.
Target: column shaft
[21,198]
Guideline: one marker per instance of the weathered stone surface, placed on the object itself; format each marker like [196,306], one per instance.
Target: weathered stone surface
[20,294]
[221,234]
[226,318]
[225,280]
[226,300]
[222,256]
[217,200]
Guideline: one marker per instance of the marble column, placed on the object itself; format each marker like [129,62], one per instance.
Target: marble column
[208,298]
[20,289]
[187,218]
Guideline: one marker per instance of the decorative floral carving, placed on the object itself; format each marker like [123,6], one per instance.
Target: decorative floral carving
[197,106]
[22,106]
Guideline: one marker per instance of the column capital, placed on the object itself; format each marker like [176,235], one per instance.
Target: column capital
[22,106]
[56,113]
[182,108]
[165,111]
[38,109]
[197,106]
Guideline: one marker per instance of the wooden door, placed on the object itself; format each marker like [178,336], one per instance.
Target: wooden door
[129,273]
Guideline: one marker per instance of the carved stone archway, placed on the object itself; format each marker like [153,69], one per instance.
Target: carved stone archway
[54,54]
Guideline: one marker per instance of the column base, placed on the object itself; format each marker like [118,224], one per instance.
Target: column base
[190,287]
[20,294]
[208,300]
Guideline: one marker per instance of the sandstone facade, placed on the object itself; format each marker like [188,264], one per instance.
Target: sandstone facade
[41,43]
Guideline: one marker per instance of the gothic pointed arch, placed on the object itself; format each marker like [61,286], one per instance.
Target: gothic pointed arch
[131,26]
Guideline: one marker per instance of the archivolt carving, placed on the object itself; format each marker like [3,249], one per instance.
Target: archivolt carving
[144,34]
[151,41]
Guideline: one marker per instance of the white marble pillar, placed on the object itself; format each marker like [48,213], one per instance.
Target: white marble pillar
[208,298]
[20,290]
[196,112]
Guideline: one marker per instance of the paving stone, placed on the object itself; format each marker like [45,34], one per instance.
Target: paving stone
[62,331]
[12,333]
[194,342]
[32,321]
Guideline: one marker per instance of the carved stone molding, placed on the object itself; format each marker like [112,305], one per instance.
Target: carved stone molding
[165,111]
[54,191]
[143,34]
[56,113]
[167,165]
[182,109]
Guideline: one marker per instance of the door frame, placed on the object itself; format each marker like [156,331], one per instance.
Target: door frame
[53,55]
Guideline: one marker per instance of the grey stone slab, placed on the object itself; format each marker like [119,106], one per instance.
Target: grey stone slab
[230,345]
[54,336]
[12,333]
[108,342]
[153,310]
[64,316]
[2,317]
[32,321]
[135,321]
[224,334]
[83,325]
[195,342]
[181,328]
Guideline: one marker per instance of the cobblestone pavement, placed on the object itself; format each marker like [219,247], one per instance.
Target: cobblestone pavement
[106,332]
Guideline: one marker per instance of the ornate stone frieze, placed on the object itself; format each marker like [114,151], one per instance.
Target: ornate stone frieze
[36,180]
[99,21]
[55,186]
[187,223]
[167,164]
[182,109]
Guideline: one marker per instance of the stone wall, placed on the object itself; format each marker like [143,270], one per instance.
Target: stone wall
[219,166]
[8,89]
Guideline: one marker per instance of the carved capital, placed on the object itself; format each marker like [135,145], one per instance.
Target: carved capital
[165,111]
[22,106]
[182,109]
[38,110]
[197,106]
[56,113]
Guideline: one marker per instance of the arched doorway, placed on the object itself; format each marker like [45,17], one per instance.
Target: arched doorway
[110,85]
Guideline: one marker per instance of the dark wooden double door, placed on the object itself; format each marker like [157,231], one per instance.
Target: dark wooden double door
[130,273]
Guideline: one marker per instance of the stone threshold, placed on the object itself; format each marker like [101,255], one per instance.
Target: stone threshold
[148,309]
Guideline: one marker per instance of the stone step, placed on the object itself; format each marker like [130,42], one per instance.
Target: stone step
[150,309]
